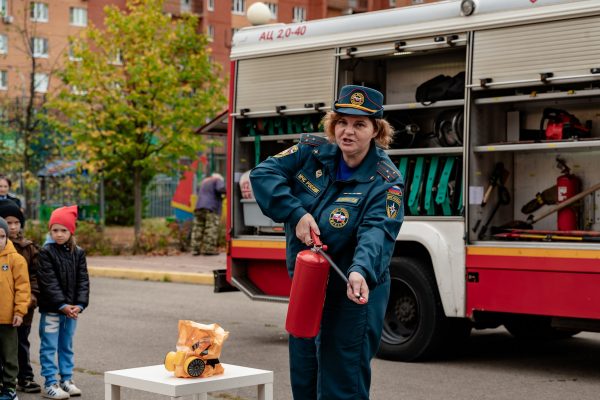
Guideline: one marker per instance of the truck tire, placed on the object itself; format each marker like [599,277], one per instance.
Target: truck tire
[414,320]
[531,327]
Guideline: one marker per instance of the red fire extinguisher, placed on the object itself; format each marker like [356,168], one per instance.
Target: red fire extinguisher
[568,185]
[309,284]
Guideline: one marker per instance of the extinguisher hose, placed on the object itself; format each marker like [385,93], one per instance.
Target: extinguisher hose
[318,247]
[333,265]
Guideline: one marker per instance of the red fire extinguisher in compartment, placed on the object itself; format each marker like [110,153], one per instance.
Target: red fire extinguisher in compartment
[309,285]
[568,185]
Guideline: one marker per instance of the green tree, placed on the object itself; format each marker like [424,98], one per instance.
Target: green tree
[141,87]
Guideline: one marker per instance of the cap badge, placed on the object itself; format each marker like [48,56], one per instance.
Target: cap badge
[357,99]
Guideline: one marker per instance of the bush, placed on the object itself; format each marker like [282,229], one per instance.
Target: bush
[88,235]
[159,237]
[36,231]
[156,237]
[181,232]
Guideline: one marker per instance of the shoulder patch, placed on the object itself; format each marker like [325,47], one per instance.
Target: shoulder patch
[387,171]
[287,152]
[312,140]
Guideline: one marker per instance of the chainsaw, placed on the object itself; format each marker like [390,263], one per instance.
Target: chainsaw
[558,124]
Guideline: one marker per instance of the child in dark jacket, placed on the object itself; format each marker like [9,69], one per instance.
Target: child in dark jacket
[16,221]
[14,299]
[64,293]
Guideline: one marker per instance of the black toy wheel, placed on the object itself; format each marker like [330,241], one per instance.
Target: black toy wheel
[195,367]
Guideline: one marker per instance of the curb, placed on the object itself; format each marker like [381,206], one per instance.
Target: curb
[149,275]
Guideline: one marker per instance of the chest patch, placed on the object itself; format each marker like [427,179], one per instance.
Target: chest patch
[393,202]
[287,152]
[5,267]
[348,199]
[308,184]
[339,217]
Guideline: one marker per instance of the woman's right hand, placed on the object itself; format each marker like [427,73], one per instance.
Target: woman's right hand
[305,225]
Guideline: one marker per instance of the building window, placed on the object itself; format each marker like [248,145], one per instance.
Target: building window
[210,32]
[186,6]
[417,1]
[273,8]
[392,3]
[3,80]
[78,91]
[210,5]
[238,6]
[3,44]
[78,16]
[39,12]
[4,7]
[117,59]
[40,82]
[298,14]
[72,55]
[39,47]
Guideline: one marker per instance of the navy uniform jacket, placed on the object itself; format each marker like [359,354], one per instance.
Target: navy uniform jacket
[359,218]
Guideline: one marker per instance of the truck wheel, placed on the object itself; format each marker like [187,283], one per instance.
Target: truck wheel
[528,327]
[414,319]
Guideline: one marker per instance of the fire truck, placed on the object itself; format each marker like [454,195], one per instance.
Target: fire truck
[497,135]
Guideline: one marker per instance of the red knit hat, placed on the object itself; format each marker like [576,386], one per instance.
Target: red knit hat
[66,216]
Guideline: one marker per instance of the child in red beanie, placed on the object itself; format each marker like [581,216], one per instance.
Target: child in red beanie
[64,293]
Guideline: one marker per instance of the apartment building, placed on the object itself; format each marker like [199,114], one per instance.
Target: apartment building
[219,19]
[34,39]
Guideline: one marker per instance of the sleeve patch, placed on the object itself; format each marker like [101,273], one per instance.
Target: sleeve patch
[393,202]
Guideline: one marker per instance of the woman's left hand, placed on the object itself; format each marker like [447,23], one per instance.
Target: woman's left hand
[357,289]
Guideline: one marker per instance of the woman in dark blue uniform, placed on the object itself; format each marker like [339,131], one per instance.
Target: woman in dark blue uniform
[347,190]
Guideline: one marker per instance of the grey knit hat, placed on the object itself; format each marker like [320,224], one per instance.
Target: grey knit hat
[4,225]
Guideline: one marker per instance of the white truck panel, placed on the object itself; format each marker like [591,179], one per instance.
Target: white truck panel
[522,53]
[401,23]
[444,242]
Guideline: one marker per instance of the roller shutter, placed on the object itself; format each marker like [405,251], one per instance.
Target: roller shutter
[290,80]
[516,55]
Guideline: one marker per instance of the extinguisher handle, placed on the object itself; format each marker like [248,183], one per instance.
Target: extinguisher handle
[315,238]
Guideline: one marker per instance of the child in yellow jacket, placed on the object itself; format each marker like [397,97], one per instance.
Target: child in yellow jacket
[15,296]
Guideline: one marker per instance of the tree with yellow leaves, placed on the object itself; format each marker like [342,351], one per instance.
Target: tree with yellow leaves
[137,92]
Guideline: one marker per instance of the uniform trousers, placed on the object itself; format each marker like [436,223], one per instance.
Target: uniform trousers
[336,365]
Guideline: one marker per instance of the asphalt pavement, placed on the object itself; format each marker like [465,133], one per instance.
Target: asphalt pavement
[183,267]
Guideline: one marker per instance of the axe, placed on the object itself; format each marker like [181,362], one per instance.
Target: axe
[533,219]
